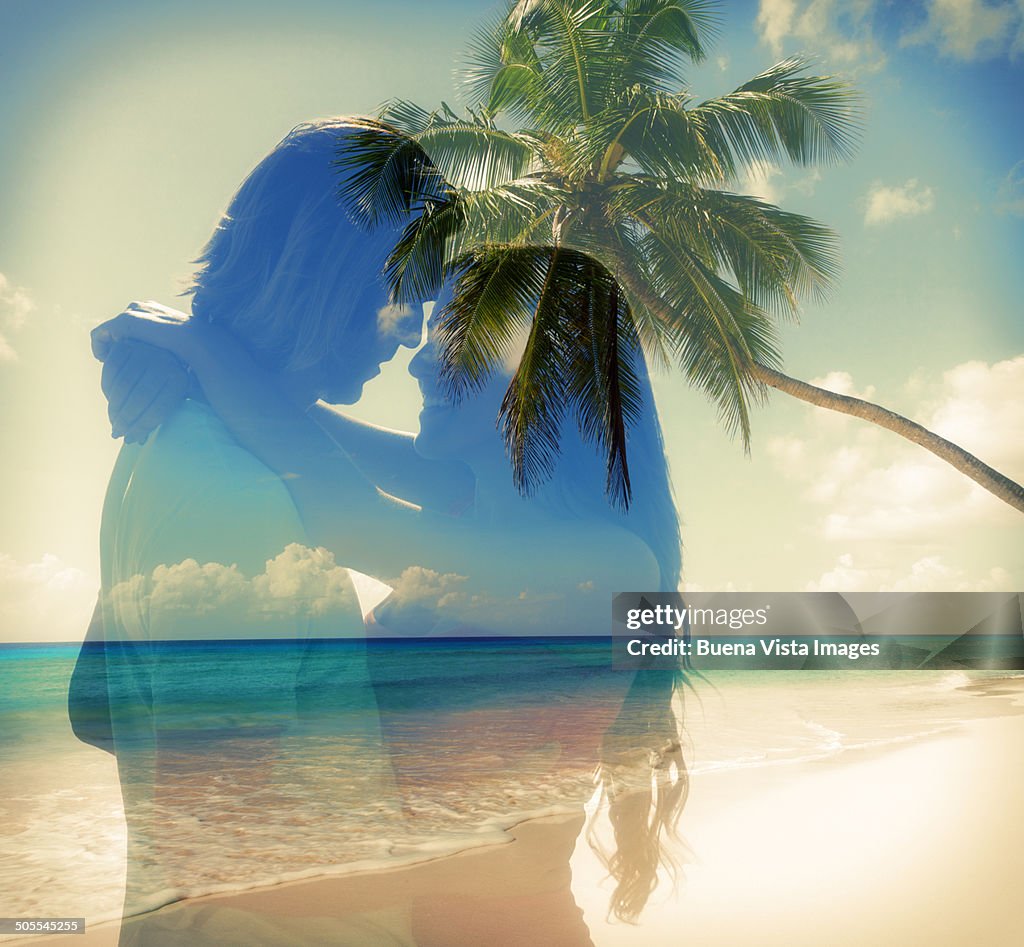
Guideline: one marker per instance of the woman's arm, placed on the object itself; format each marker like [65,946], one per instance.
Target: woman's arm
[389,459]
[145,384]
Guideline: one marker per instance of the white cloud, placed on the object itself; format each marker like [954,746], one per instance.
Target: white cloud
[758,182]
[846,465]
[187,586]
[844,576]
[927,574]
[769,183]
[775,22]
[885,203]
[981,408]
[807,184]
[420,586]
[971,29]
[932,574]
[299,582]
[1010,196]
[874,486]
[916,498]
[15,305]
[401,321]
[306,577]
[967,30]
[842,384]
[789,453]
[200,600]
[425,601]
[47,600]
[842,30]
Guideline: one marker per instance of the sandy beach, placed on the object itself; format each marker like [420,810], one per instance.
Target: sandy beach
[919,842]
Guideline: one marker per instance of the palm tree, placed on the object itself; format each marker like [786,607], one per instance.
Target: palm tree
[605,224]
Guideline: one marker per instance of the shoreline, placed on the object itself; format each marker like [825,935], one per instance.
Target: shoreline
[747,829]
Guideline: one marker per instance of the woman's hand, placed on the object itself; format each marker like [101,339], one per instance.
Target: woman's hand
[151,323]
[143,386]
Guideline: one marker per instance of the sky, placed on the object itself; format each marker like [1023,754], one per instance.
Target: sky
[125,128]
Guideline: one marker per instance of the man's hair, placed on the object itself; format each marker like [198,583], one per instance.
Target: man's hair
[286,271]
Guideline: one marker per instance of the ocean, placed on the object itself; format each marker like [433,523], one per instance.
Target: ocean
[249,763]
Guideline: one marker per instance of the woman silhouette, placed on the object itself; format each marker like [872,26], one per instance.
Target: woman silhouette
[195,671]
[504,567]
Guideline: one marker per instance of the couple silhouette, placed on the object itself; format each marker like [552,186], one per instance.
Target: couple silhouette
[270,712]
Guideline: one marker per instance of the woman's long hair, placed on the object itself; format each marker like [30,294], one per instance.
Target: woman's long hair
[643,782]
[286,271]
[641,775]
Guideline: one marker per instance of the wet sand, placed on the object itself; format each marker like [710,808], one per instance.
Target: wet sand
[920,842]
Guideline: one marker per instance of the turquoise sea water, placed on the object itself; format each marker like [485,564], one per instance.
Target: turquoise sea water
[245,763]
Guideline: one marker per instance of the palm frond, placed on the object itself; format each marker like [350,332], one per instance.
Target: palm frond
[534,404]
[501,71]
[493,297]
[392,165]
[385,174]
[775,257]
[475,156]
[617,247]
[657,36]
[652,129]
[576,66]
[517,213]
[782,115]
[419,264]
[717,331]
[601,380]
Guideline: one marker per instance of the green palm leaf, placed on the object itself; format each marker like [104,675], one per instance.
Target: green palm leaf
[657,36]
[782,115]
[775,257]
[601,380]
[655,131]
[502,70]
[576,65]
[493,300]
[386,174]
[534,404]
[418,266]
[717,332]
[475,156]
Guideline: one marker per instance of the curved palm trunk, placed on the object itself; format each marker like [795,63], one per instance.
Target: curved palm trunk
[992,480]
[981,473]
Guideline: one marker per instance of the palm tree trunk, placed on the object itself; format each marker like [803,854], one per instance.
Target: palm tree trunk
[981,473]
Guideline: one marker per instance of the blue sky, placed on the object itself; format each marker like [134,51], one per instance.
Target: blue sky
[126,127]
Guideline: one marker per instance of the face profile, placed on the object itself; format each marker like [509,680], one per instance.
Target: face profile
[295,281]
[456,428]
[340,376]
[450,428]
